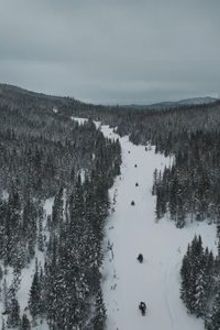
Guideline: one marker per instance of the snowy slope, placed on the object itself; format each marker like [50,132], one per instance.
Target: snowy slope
[131,230]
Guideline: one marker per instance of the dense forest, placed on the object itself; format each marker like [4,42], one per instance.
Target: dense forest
[45,156]
[200,284]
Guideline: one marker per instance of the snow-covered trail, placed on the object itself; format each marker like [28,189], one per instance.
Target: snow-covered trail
[131,230]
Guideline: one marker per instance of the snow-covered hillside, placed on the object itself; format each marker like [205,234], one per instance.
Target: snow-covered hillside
[131,230]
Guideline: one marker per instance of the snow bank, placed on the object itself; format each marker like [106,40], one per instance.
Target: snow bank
[79,120]
[82,121]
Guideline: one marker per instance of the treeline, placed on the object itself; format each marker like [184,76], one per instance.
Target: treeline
[44,154]
[71,279]
[19,222]
[190,187]
[200,283]
[29,142]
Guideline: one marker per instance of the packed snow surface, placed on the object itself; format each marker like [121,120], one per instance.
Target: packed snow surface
[131,230]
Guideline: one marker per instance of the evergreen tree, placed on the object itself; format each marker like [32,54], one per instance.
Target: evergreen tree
[200,295]
[3,324]
[25,323]
[35,301]
[99,321]
[5,295]
[14,313]
[57,212]
[213,323]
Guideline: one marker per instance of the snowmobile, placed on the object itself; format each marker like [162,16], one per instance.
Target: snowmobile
[142,307]
[140,258]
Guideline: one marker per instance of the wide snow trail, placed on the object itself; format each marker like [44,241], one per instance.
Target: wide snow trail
[131,230]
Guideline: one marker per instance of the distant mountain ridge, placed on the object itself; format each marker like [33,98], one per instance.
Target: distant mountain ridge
[174,104]
[7,90]
[199,100]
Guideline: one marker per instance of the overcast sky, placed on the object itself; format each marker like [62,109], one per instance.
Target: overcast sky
[112,51]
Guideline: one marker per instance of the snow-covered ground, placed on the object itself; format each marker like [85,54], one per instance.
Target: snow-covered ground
[131,230]
[80,121]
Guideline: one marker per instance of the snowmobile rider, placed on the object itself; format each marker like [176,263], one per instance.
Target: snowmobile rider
[142,306]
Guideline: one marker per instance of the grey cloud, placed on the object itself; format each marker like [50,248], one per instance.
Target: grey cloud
[110,51]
